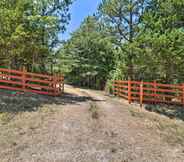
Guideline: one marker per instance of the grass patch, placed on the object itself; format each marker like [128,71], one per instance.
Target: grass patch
[136,113]
[171,130]
[15,127]
[6,117]
[94,110]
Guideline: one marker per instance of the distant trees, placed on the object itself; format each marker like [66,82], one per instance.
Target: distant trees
[144,39]
[29,31]
[88,55]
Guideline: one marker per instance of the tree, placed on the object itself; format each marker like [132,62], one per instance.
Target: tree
[29,31]
[89,55]
[123,20]
[163,42]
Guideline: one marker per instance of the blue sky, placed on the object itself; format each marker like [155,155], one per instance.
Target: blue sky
[79,10]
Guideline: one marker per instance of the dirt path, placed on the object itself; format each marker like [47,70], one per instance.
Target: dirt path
[69,133]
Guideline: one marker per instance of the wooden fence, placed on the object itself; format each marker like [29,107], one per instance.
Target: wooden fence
[149,92]
[31,82]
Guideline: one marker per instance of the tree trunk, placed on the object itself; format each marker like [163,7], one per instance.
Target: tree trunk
[130,55]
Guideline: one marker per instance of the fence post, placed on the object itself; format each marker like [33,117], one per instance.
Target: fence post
[141,93]
[63,84]
[129,91]
[54,83]
[24,79]
[118,89]
[59,83]
[155,90]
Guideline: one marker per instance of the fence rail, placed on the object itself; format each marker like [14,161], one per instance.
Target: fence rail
[149,92]
[31,82]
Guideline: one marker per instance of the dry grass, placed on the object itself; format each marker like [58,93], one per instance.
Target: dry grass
[84,126]
[94,110]
[6,117]
[172,130]
[13,126]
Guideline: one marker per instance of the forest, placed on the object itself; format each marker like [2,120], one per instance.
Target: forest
[123,39]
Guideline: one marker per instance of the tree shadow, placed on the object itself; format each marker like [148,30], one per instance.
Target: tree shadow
[171,111]
[29,102]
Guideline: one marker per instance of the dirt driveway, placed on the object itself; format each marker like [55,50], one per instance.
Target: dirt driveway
[86,126]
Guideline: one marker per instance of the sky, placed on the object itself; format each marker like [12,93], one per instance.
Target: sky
[79,10]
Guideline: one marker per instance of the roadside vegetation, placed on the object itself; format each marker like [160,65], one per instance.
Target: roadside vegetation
[171,130]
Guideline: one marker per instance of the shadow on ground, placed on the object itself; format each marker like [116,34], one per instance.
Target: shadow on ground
[29,102]
[170,111]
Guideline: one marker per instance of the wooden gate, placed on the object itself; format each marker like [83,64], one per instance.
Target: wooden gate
[31,82]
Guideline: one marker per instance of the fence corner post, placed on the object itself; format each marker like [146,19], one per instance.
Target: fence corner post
[129,92]
[141,93]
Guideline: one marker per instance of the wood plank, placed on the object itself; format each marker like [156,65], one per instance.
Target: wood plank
[39,86]
[162,90]
[10,88]
[120,86]
[11,71]
[11,76]
[39,81]
[39,75]
[10,82]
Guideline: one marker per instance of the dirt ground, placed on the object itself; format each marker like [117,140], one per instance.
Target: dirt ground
[85,126]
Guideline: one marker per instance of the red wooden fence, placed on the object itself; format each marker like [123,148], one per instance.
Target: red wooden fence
[31,82]
[149,92]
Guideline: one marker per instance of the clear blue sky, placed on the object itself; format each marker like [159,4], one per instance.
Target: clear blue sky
[79,10]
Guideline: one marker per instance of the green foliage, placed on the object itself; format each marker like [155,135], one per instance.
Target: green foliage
[88,56]
[135,39]
[128,39]
[122,19]
[152,42]
[162,54]
[29,31]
